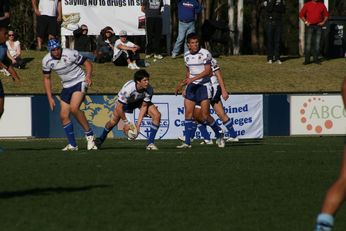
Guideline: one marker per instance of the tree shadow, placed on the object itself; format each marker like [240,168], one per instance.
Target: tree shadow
[48,191]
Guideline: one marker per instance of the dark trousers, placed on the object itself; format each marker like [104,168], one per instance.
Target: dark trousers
[124,56]
[312,35]
[154,33]
[273,38]
[20,63]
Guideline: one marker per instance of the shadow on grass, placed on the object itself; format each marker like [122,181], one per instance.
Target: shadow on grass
[48,191]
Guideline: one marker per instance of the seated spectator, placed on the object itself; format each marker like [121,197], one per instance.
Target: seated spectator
[125,52]
[14,51]
[105,43]
[84,43]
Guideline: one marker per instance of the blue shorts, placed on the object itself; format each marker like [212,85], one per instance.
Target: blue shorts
[128,108]
[197,92]
[66,93]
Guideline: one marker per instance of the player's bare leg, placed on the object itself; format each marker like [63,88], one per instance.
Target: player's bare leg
[334,198]
[218,107]
[155,115]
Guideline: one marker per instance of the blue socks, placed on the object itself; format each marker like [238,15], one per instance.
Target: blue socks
[229,125]
[193,129]
[188,131]
[68,128]
[89,132]
[153,131]
[215,128]
[204,132]
[324,222]
[104,134]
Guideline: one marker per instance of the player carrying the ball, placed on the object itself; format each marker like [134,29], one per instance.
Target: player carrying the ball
[136,93]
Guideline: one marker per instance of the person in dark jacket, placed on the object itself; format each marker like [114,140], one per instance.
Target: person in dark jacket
[275,10]
[84,43]
[105,45]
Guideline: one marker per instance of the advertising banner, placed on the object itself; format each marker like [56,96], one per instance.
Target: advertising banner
[97,14]
[246,112]
[317,115]
[16,120]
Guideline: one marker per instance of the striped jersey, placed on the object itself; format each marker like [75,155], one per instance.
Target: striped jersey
[67,67]
[129,93]
[195,63]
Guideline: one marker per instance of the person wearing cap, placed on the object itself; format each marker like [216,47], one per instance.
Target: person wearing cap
[84,43]
[125,52]
[66,63]
[153,27]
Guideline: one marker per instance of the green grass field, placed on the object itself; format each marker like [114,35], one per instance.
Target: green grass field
[248,73]
[275,184]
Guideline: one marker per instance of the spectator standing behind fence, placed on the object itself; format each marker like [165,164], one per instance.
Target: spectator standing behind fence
[84,43]
[48,15]
[126,52]
[105,45]
[314,14]
[187,11]
[153,27]
[275,10]
[4,13]
[14,51]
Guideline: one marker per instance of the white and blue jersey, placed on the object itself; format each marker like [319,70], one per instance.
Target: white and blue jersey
[215,86]
[131,98]
[196,64]
[67,67]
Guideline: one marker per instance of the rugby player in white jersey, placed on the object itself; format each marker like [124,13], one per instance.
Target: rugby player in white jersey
[136,93]
[197,79]
[218,90]
[66,63]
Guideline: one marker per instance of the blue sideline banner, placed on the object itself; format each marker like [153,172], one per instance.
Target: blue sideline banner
[246,112]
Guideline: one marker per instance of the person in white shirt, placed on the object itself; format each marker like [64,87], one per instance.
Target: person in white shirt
[49,15]
[14,51]
[197,81]
[66,63]
[125,52]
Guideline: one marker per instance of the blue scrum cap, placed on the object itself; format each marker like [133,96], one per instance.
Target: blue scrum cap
[53,44]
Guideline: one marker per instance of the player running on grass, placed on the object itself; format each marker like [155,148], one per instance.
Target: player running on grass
[197,79]
[136,93]
[66,63]
[217,89]
[336,193]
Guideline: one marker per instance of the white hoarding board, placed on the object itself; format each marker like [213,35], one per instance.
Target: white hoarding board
[16,120]
[317,115]
[97,14]
[246,112]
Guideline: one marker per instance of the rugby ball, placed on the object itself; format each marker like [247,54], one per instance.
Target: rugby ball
[131,131]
